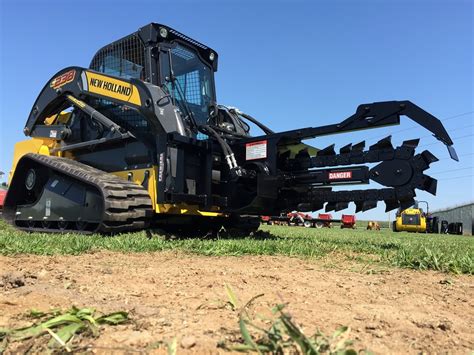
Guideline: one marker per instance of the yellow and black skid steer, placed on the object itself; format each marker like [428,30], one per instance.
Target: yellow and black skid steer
[137,140]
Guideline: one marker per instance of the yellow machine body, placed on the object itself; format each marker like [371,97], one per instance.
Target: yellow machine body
[45,146]
[411,220]
[35,145]
[138,176]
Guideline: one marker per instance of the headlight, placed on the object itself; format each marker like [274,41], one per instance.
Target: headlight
[163,32]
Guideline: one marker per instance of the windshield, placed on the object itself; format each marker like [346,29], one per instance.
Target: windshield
[193,82]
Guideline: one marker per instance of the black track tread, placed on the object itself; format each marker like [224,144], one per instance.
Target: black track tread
[127,206]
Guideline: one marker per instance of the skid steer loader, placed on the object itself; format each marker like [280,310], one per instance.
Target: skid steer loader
[138,140]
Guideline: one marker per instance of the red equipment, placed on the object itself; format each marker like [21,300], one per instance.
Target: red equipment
[2,197]
[299,218]
[304,219]
[324,220]
[348,221]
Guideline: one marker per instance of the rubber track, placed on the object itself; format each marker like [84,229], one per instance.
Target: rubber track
[127,206]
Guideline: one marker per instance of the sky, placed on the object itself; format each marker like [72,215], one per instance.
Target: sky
[291,64]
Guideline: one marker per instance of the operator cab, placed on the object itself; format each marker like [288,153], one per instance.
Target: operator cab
[189,81]
[181,66]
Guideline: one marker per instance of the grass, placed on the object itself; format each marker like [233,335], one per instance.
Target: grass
[446,253]
[280,334]
[56,329]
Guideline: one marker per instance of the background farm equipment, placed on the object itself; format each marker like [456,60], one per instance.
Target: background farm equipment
[416,220]
[324,220]
[410,220]
[373,226]
[348,221]
[3,193]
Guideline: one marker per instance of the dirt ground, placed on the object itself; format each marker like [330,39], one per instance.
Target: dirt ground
[173,294]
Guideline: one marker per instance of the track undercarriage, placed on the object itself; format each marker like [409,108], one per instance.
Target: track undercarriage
[64,195]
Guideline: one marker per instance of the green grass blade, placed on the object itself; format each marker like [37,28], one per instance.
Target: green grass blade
[173,346]
[59,320]
[67,332]
[34,313]
[232,297]
[38,329]
[295,333]
[340,331]
[246,348]
[83,312]
[113,318]
[247,337]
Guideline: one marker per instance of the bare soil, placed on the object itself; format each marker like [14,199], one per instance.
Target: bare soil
[174,294]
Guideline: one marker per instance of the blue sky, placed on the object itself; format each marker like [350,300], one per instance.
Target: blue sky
[289,63]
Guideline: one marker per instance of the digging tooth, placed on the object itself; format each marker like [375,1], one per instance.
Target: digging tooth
[391,205]
[330,206]
[316,206]
[346,149]
[428,157]
[412,143]
[385,143]
[368,205]
[341,206]
[407,203]
[304,207]
[303,153]
[359,147]
[365,205]
[407,149]
[358,201]
[429,184]
[309,207]
[329,150]
[423,160]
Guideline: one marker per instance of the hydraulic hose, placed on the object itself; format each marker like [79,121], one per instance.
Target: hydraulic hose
[229,155]
[253,120]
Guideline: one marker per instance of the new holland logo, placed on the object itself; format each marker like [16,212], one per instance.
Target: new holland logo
[111,87]
[340,175]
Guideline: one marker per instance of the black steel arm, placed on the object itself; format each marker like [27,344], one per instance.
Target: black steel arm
[374,115]
[94,114]
[76,83]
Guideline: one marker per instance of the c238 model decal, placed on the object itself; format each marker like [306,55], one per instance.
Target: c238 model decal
[63,79]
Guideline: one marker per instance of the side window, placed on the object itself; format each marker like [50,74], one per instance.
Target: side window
[114,65]
[190,84]
[124,58]
[124,116]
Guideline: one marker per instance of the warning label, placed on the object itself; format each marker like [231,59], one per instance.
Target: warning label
[256,150]
[340,175]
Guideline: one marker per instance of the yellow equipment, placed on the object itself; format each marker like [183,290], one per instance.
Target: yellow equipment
[410,220]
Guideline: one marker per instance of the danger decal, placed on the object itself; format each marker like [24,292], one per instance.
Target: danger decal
[340,175]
